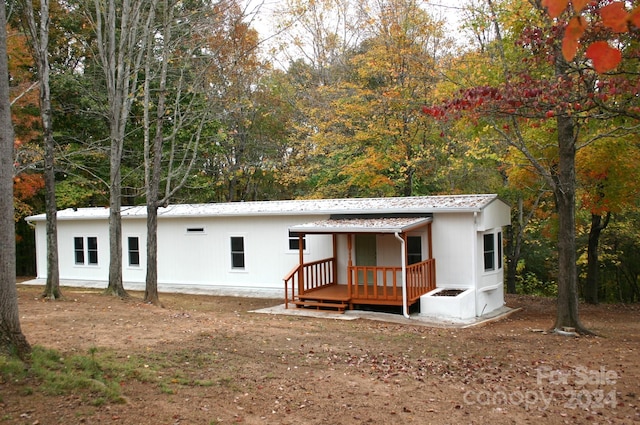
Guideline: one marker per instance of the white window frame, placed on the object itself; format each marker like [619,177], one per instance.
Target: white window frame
[129,252]
[243,252]
[294,237]
[86,251]
[496,251]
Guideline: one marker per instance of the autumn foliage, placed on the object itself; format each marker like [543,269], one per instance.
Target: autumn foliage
[614,17]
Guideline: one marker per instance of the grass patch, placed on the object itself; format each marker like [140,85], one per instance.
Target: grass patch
[96,375]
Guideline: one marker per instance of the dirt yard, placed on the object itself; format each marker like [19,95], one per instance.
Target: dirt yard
[209,360]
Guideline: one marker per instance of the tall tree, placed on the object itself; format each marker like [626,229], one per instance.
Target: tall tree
[570,95]
[38,30]
[11,337]
[174,114]
[121,29]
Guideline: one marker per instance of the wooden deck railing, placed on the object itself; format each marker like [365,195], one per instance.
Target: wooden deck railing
[366,284]
[380,284]
[305,277]
[421,278]
[375,283]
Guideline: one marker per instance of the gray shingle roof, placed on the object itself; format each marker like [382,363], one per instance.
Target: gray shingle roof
[413,204]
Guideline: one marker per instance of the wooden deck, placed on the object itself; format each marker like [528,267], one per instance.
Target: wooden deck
[336,298]
[314,285]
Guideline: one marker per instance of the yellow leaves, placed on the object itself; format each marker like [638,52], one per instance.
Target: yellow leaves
[609,175]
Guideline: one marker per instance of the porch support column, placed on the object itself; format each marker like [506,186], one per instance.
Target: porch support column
[301,262]
[429,241]
[403,256]
[334,238]
[349,263]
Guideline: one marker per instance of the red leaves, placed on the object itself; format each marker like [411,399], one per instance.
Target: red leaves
[614,17]
[634,17]
[578,5]
[555,7]
[604,57]
[571,41]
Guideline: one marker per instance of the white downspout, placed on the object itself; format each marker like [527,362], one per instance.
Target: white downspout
[405,308]
[474,262]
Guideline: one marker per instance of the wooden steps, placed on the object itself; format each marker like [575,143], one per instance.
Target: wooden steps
[321,305]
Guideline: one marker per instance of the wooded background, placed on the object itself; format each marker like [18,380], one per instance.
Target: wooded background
[344,98]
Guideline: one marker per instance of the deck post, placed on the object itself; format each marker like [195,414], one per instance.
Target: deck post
[349,264]
[335,258]
[301,262]
[429,241]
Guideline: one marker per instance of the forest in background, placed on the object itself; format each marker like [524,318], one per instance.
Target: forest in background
[347,99]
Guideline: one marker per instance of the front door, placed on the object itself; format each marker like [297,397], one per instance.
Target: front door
[366,255]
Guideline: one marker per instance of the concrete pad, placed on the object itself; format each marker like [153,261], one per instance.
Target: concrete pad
[415,319]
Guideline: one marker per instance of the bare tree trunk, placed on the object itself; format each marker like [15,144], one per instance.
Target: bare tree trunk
[39,35]
[155,146]
[591,286]
[12,340]
[514,237]
[120,52]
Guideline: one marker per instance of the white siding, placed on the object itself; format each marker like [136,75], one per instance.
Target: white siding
[67,231]
[496,214]
[453,249]
[186,258]
[205,258]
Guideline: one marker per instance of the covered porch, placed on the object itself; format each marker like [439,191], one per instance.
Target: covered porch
[359,276]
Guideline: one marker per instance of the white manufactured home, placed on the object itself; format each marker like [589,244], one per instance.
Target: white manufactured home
[443,253]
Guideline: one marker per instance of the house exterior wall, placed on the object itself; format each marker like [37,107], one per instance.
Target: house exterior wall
[205,258]
[67,231]
[453,249]
[494,215]
[490,284]
[194,250]
[191,258]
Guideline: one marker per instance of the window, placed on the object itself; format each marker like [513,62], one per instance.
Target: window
[92,250]
[237,252]
[489,252]
[294,241]
[78,248]
[134,250]
[414,249]
[91,253]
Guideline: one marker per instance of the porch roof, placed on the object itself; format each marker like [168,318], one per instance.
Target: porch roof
[362,225]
